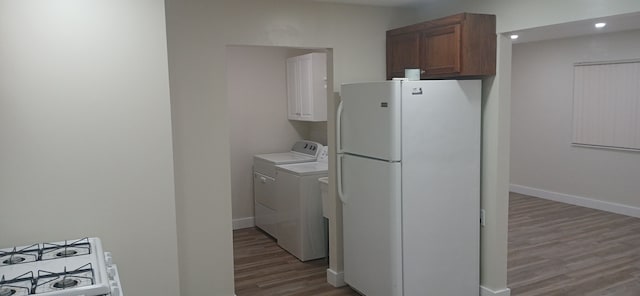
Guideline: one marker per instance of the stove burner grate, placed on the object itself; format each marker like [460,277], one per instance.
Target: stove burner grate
[18,286]
[52,281]
[5,291]
[17,256]
[66,249]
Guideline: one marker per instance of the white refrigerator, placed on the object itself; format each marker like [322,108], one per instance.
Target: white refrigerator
[409,182]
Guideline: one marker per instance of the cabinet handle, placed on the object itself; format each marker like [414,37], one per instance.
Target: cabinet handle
[422,71]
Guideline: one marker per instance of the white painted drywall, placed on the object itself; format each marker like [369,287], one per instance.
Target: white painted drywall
[85,129]
[198,35]
[542,94]
[511,16]
[200,30]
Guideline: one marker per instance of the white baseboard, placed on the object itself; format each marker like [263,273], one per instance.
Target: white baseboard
[243,223]
[335,279]
[578,200]
[484,291]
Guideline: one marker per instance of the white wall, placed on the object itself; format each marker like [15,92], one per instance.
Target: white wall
[85,129]
[198,34]
[542,95]
[511,16]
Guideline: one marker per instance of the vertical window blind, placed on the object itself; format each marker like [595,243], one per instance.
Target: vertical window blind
[606,104]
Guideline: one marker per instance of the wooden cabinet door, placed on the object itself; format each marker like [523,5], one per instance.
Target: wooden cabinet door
[440,50]
[403,52]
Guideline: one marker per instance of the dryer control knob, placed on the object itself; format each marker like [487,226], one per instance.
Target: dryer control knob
[108,258]
[111,272]
[115,291]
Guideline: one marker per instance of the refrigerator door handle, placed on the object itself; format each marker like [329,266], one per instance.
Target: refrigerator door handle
[339,177]
[339,129]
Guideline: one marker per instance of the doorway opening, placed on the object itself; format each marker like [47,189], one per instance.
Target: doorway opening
[573,211]
[259,124]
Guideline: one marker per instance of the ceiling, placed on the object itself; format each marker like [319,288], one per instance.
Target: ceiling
[388,3]
[623,22]
[615,23]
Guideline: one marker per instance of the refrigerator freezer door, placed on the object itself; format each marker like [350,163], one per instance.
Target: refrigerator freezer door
[441,187]
[371,223]
[370,122]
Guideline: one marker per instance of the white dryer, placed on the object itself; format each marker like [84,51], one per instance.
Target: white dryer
[264,175]
[300,225]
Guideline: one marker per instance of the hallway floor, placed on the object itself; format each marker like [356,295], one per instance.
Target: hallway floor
[557,249]
[264,269]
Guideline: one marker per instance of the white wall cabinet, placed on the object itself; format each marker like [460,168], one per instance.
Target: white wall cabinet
[307,87]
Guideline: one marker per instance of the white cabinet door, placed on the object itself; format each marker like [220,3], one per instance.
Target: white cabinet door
[305,83]
[306,87]
[293,89]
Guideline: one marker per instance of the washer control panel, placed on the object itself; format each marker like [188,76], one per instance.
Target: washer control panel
[307,147]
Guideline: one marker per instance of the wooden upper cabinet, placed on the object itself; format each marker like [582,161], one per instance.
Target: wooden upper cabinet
[409,45]
[440,50]
[458,46]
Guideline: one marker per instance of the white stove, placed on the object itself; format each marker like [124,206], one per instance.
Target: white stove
[68,268]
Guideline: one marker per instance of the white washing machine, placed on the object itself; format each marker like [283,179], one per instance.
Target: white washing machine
[300,225]
[264,175]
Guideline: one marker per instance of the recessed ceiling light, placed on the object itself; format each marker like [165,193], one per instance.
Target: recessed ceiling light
[514,37]
[600,25]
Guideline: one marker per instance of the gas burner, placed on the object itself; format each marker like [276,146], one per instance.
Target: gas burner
[18,286]
[4,291]
[55,281]
[17,256]
[14,259]
[66,283]
[66,249]
[66,253]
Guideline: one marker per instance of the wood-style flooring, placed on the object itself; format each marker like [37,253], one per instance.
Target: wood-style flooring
[560,249]
[555,249]
[264,269]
